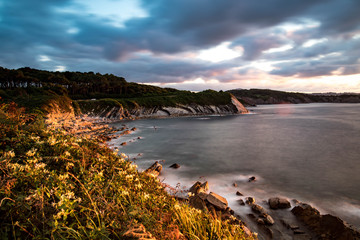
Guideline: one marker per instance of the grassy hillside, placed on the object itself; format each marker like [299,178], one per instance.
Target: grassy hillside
[58,186]
[37,89]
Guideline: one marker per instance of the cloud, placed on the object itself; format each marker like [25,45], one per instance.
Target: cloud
[157,42]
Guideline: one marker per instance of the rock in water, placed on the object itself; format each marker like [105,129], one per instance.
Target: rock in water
[199,187]
[267,219]
[279,203]
[250,200]
[239,193]
[175,165]
[154,169]
[325,226]
[251,179]
[257,208]
[217,201]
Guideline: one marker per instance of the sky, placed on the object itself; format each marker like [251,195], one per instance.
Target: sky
[290,45]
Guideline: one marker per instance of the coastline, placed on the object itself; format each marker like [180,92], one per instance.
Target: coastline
[286,225]
[265,205]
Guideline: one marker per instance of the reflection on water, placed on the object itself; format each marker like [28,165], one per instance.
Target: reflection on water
[308,151]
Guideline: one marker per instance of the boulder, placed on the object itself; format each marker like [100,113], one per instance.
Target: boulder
[267,219]
[241,202]
[325,226]
[175,165]
[197,202]
[279,203]
[199,187]
[154,169]
[307,214]
[257,208]
[239,193]
[217,201]
[251,179]
[205,186]
[203,195]
[123,143]
[250,200]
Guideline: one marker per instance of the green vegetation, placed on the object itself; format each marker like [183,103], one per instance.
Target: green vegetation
[78,85]
[58,186]
[267,96]
[38,99]
[35,89]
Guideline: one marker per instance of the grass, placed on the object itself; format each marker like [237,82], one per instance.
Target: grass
[54,185]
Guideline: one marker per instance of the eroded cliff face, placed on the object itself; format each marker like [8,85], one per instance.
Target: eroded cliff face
[234,107]
[118,112]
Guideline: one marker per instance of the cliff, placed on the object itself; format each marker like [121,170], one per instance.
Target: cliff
[112,109]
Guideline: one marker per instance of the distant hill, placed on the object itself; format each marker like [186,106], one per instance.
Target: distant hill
[253,97]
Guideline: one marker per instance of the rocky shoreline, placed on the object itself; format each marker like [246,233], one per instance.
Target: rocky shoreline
[273,218]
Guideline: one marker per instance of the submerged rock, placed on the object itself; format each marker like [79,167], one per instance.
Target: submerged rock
[175,166]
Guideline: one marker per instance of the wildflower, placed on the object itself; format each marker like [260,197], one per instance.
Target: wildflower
[52,140]
[67,154]
[40,165]
[190,194]
[69,165]
[146,196]
[177,206]
[63,176]
[31,152]
[70,195]
[9,154]
[133,166]
[125,193]
[129,177]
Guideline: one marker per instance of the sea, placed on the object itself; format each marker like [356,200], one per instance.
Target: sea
[307,152]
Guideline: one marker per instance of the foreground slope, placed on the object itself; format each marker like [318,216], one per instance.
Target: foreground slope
[58,186]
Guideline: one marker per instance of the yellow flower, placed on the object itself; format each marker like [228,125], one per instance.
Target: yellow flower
[31,152]
[9,154]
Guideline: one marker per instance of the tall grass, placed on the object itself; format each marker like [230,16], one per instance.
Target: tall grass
[54,185]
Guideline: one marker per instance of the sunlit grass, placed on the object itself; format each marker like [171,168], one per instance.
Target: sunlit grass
[54,185]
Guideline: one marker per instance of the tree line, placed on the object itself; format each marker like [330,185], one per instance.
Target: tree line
[79,85]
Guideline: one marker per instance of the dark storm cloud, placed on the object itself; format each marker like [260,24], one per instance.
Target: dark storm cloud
[32,28]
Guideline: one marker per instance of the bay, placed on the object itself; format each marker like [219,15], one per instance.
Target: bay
[310,152]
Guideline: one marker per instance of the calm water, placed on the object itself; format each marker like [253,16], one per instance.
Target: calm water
[310,152]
